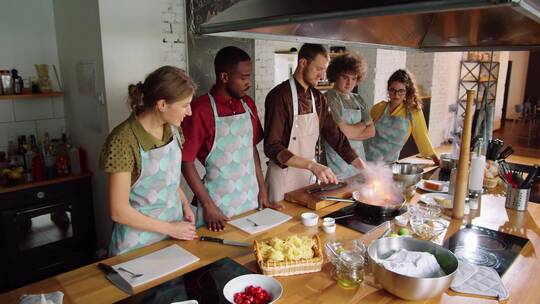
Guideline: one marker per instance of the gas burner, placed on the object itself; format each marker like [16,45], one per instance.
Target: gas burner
[477,256]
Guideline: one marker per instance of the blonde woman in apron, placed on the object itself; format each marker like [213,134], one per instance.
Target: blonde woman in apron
[143,158]
[290,140]
[348,110]
[396,119]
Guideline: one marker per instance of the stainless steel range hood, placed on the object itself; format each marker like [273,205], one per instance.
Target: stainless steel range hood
[425,25]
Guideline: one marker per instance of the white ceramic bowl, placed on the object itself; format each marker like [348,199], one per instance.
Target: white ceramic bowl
[329,220]
[310,219]
[240,283]
[329,227]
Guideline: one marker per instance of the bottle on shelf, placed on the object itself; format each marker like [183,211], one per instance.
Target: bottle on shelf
[12,153]
[19,158]
[17,82]
[37,168]
[6,82]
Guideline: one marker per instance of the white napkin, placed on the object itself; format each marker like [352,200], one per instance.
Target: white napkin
[413,264]
[478,280]
[56,297]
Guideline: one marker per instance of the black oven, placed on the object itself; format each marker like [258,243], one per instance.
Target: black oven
[45,231]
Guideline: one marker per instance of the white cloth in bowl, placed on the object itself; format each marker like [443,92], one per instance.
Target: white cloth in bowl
[413,264]
[478,280]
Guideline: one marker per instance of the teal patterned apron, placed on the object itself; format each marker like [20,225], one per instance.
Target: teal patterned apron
[230,176]
[335,162]
[154,194]
[390,137]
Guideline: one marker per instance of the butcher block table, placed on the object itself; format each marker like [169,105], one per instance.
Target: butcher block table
[89,285]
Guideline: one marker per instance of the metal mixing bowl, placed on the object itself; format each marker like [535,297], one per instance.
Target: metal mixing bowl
[406,287]
[408,174]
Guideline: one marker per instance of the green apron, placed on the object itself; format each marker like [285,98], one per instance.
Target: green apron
[335,162]
[154,194]
[390,137]
[230,176]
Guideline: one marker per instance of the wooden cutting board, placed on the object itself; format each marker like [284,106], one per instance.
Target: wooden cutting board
[314,201]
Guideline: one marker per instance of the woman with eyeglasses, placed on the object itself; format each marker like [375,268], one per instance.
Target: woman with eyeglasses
[396,119]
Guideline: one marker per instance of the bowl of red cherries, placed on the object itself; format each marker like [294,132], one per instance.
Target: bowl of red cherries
[252,289]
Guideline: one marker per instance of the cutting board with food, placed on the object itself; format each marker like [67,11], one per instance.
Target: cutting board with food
[310,196]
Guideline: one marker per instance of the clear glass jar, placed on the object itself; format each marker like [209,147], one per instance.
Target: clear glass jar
[350,271]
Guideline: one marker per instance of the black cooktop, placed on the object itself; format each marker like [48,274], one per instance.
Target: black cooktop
[486,247]
[355,217]
[204,285]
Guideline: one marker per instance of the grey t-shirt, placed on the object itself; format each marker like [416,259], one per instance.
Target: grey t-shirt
[337,100]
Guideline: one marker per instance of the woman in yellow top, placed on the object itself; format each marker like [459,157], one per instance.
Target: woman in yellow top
[395,120]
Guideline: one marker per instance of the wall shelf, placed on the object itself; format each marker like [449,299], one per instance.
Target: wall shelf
[31,96]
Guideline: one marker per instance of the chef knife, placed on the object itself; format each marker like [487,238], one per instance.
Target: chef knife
[225,242]
[114,277]
[327,188]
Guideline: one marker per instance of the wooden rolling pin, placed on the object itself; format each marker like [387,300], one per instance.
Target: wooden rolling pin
[464,153]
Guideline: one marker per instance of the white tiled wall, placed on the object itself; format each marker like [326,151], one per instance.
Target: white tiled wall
[29,26]
[31,117]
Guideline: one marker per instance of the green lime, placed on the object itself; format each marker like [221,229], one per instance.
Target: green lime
[393,235]
[404,231]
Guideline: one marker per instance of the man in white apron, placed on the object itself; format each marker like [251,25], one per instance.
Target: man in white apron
[223,135]
[295,115]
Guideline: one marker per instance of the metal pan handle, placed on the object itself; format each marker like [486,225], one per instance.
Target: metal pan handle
[337,199]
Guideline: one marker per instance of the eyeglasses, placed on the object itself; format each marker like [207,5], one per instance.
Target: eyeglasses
[400,92]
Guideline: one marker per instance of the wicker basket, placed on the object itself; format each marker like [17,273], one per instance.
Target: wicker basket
[287,268]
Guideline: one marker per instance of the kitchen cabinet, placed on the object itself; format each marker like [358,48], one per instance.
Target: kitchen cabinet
[46,228]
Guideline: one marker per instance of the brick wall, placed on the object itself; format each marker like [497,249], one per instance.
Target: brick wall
[173,21]
[421,66]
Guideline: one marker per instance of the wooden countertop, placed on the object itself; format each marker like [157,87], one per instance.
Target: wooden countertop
[89,285]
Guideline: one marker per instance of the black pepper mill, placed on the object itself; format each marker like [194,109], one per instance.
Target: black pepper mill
[17,82]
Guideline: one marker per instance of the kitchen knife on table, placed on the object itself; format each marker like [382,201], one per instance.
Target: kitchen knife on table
[225,242]
[114,277]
